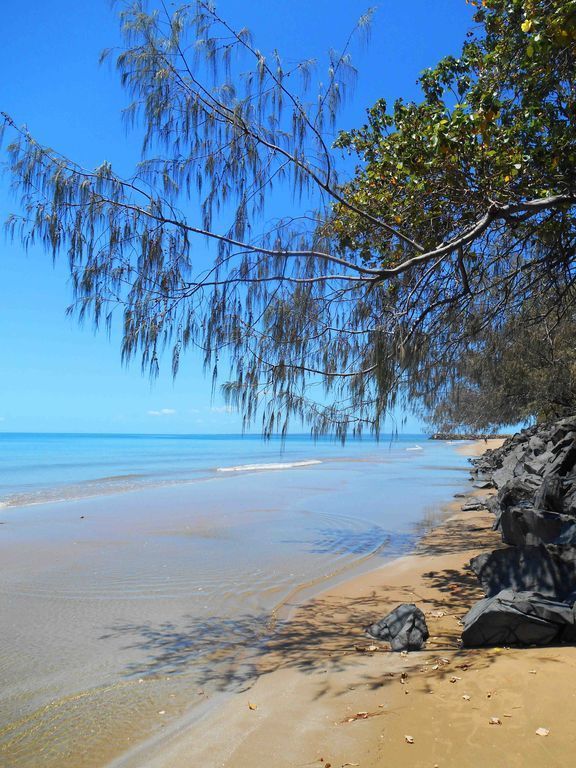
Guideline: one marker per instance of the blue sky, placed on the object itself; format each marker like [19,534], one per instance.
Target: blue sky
[56,376]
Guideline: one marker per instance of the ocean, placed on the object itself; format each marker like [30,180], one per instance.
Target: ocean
[40,468]
[144,574]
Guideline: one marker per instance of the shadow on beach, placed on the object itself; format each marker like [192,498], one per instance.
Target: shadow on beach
[326,635]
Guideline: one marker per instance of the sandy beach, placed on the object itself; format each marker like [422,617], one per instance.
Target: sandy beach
[328,696]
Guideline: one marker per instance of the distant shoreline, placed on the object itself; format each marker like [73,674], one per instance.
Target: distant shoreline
[469,436]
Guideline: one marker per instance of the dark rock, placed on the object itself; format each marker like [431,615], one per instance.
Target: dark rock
[502,476]
[518,618]
[536,465]
[535,510]
[569,501]
[493,505]
[569,422]
[536,445]
[565,441]
[549,495]
[548,569]
[404,628]
[570,600]
[512,466]
[568,535]
[483,484]
[532,451]
[473,506]
[566,555]
[522,526]
[565,460]
[569,494]
[515,491]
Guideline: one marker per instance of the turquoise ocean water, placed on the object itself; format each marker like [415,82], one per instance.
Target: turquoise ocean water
[39,468]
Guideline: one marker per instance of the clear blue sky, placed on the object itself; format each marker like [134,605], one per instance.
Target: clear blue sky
[55,376]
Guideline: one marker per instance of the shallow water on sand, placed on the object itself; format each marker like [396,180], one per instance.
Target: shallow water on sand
[123,611]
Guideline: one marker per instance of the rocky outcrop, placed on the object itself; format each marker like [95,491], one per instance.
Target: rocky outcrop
[532,454]
[466,436]
[527,526]
[518,618]
[531,584]
[546,569]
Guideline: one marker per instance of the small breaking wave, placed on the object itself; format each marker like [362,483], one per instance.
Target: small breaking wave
[103,486]
[277,465]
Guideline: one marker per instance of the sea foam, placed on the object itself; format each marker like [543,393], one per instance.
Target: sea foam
[279,465]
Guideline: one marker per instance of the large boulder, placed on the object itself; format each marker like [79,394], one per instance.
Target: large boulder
[510,460]
[550,494]
[503,475]
[535,465]
[404,628]
[537,445]
[536,451]
[565,456]
[516,490]
[531,585]
[548,569]
[558,431]
[569,495]
[562,440]
[521,526]
[492,505]
[518,618]
[568,535]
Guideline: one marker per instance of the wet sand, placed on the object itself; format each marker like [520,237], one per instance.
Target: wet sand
[329,696]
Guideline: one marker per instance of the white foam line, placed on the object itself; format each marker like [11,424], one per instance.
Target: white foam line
[286,465]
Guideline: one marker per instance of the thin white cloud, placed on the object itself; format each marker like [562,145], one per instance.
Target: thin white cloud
[221,409]
[162,412]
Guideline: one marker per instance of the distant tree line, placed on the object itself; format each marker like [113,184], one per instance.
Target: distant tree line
[524,370]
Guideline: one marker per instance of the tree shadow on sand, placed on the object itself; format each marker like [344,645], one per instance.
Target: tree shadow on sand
[325,636]
[456,538]
[228,653]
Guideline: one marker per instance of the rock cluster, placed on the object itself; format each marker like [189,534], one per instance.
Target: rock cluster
[465,436]
[530,585]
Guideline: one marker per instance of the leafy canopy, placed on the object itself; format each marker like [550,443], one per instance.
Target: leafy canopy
[495,129]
